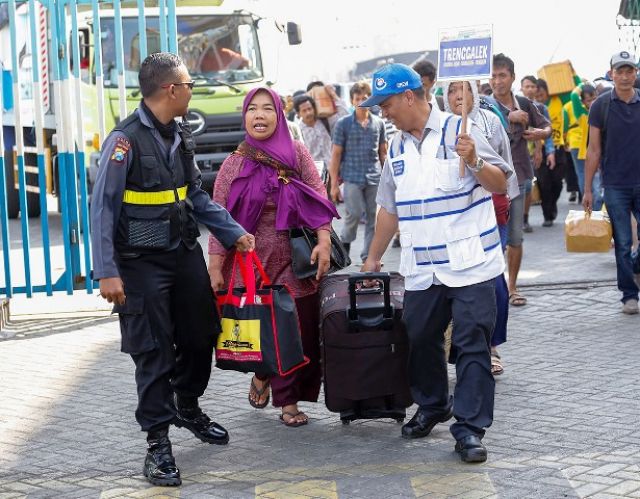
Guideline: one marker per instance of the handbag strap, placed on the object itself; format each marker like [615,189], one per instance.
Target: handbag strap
[232,279]
[252,259]
[248,277]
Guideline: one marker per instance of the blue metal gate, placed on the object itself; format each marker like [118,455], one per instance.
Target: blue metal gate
[42,146]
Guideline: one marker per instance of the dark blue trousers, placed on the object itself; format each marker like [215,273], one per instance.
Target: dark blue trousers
[427,314]
[622,202]
[499,335]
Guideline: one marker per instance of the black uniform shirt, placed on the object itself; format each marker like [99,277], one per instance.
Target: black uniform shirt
[108,192]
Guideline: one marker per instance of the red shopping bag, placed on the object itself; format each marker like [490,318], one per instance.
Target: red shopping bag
[260,328]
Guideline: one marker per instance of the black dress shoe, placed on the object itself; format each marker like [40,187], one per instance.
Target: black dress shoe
[159,465]
[471,449]
[198,423]
[420,425]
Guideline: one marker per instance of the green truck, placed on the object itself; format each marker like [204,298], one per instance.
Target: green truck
[227,51]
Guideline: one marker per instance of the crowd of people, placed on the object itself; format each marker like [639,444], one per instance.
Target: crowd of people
[454,201]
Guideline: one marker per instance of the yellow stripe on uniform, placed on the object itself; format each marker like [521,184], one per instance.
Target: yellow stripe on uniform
[151,198]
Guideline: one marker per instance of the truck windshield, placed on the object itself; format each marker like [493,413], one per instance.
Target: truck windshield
[214,47]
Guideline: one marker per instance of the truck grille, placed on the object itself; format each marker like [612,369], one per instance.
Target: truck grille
[221,128]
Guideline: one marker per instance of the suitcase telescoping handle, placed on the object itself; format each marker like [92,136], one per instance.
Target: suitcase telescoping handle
[355,279]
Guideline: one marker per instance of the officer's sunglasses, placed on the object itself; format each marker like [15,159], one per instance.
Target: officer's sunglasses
[190,84]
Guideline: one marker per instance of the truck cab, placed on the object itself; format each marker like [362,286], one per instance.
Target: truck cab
[222,51]
[227,52]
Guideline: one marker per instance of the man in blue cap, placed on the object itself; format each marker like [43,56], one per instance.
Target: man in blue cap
[451,253]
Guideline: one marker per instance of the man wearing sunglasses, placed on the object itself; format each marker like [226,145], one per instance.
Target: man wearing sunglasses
[145,210]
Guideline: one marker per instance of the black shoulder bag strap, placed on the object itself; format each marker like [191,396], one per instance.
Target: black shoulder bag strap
[605,121]
[325,124]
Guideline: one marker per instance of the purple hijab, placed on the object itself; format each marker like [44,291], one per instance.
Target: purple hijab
[297,204]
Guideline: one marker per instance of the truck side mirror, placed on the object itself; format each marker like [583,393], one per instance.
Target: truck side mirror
[294,33]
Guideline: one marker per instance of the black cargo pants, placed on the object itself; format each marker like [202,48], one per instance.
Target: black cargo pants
[550,183]
[427,314]
[169,324]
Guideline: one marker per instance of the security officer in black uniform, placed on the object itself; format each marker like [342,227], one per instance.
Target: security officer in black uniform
[145,210]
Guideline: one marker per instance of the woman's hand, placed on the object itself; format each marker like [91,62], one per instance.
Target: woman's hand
[215,272]
[217,281]
[322,253]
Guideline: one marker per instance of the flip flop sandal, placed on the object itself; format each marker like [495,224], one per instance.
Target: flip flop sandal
[517,300]
[295,424]
[496,365]
[254,390]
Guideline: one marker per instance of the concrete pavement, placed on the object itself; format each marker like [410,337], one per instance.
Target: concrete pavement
[566,415]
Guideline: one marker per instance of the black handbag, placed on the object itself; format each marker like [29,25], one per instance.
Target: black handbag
[303,240]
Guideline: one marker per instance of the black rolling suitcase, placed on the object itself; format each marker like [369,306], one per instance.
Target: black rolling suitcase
[364,347]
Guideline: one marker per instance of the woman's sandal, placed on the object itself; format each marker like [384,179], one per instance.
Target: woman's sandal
[253,390]
[292,417]
[496,365]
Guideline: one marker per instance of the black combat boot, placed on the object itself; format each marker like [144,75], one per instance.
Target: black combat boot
[159,465]
[190,416]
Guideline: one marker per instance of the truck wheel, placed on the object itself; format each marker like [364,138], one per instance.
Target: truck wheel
[13,201]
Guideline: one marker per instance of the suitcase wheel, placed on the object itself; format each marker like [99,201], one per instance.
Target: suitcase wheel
[345,421]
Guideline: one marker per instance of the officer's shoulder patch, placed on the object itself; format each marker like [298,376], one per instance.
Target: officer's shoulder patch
[398,167]
[123,142]
[120,149]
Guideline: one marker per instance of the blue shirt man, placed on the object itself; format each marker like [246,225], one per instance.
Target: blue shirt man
[358,152]
[613,144]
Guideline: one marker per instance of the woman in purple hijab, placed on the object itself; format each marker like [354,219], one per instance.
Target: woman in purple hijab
[271,184]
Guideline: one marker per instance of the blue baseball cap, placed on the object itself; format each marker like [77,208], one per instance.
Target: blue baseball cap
[390,80]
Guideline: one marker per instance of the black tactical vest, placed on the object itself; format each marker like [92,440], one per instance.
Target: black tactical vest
[156,214]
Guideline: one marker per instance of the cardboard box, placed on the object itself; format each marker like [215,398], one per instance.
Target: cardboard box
[587,233]
[324,102]
[535,192]
[559,77]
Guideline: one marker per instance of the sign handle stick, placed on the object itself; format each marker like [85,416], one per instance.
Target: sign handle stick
[463,129]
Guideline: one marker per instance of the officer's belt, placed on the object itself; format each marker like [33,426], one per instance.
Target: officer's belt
[157,197]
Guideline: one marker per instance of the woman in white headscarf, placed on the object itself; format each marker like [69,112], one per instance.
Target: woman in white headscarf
[495,133]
